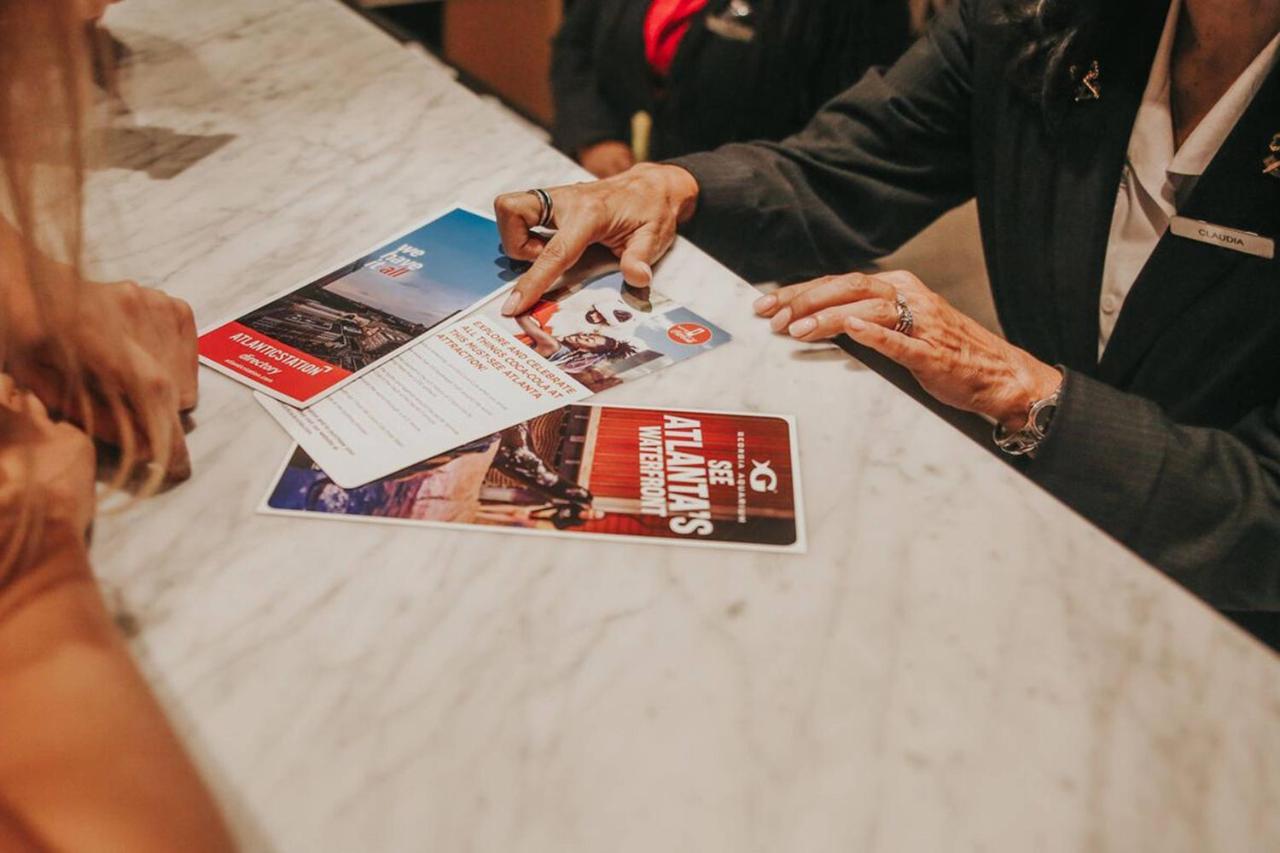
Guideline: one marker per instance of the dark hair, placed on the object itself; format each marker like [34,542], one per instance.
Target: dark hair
[619,349]
[1054,39]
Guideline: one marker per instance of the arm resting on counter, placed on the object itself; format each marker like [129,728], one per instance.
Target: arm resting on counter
[89,761]
[874,166]
[1201,504]
[582,116]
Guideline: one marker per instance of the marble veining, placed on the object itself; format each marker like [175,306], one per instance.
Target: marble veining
[959,663]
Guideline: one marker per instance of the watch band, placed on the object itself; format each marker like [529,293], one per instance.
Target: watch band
[1027,440]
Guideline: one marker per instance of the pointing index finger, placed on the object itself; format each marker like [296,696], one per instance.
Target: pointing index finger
[562,251]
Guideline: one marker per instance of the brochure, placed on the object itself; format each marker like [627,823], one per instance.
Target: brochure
[308,342]
[487,372]
[612,472]
[603,332]
[466,381]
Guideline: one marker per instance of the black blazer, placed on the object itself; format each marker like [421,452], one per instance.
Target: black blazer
[1172,442]
[600,77]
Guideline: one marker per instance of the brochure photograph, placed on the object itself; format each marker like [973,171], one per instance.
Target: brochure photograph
[615,472]
[603,332]
[308,342]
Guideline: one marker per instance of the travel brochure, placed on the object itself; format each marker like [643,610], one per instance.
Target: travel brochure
[610,472]
[413,400]
[487,372]
[313,339]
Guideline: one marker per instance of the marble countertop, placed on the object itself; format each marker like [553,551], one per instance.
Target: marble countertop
[958,663]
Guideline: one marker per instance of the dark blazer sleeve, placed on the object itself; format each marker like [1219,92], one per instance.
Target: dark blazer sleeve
[874,166]
[1202,504]
[582,115]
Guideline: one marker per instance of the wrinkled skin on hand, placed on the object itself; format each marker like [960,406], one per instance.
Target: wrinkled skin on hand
[952,356]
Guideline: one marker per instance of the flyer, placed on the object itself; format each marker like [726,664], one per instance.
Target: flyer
[466,381]
[308,342]
[612,472]
[487,372]
[603,332]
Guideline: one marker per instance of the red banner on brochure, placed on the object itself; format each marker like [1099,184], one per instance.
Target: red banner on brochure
[269,362]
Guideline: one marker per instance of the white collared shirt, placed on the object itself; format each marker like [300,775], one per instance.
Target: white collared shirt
[1156,178]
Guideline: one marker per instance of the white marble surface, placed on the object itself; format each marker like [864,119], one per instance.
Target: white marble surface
[959,663]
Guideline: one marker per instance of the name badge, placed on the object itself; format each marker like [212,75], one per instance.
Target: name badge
[1220,235]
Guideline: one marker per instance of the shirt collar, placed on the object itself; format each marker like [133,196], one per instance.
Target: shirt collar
[1151,141]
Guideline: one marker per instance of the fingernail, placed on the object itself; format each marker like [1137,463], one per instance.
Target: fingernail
[800,328]
[648,274]
[764,303]
[854,324]
[780,320]
[509,307]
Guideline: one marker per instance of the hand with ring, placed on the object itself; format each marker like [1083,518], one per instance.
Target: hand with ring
[955,359]
[634,214]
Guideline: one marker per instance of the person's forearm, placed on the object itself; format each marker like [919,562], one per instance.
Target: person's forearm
[873,167]
[17,300]
[89,760]
[543,344]
[23,267]
[1201,504]
[582,114]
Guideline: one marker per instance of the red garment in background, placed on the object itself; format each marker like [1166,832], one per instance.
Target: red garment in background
[664,28]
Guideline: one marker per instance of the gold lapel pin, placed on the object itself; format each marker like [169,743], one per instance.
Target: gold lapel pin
[1271,163]
[1090,86]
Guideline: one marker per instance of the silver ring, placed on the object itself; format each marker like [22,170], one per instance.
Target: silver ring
[906,320]
[544,199]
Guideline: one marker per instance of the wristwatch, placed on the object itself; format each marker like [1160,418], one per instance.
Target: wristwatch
[1027,440]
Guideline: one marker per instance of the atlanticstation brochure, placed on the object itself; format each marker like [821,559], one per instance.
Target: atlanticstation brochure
[310,341]
[612,472]
[485,373]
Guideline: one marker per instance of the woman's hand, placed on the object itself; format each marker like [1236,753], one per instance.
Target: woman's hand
[952,357]
[606,159]
[136,345]
[43,465]
[635,214]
